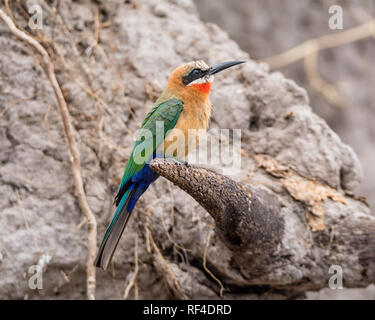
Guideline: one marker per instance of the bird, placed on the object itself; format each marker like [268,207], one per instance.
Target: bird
[183,105]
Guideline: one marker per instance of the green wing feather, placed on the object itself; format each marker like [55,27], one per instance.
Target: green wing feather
[168,112]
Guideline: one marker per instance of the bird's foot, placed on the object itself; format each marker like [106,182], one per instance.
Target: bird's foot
[180,162]
[186,164]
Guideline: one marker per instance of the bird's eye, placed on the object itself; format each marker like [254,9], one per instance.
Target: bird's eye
[196,72]
[192,75]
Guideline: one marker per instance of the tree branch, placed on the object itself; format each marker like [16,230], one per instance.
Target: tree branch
[252,224]
[235,207]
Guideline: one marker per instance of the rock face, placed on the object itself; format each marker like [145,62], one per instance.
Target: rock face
[109,87]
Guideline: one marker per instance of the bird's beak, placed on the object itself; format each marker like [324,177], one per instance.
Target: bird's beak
[222,66]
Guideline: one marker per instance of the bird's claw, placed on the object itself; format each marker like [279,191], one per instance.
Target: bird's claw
[187,164]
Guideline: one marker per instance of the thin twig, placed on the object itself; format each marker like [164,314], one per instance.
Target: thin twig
[132,282]
[326,89]
[166,271]
[27,225]
[161,265]
[73,150]
[205,264]
[317,44]
[13,103]
[95,41]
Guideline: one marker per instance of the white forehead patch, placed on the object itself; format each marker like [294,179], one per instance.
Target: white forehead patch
[200,64]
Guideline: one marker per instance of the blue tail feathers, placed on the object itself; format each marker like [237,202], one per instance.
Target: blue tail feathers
[139,184]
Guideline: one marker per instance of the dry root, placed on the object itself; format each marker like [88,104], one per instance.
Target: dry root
[73,151]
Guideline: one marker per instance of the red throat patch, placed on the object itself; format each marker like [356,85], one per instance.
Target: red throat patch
[203,87]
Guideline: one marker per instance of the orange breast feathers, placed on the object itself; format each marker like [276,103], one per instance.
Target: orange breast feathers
[180,141]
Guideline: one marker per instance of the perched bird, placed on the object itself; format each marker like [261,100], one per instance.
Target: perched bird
[183,105]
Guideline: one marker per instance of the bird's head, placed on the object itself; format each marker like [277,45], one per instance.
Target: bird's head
[196,77]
